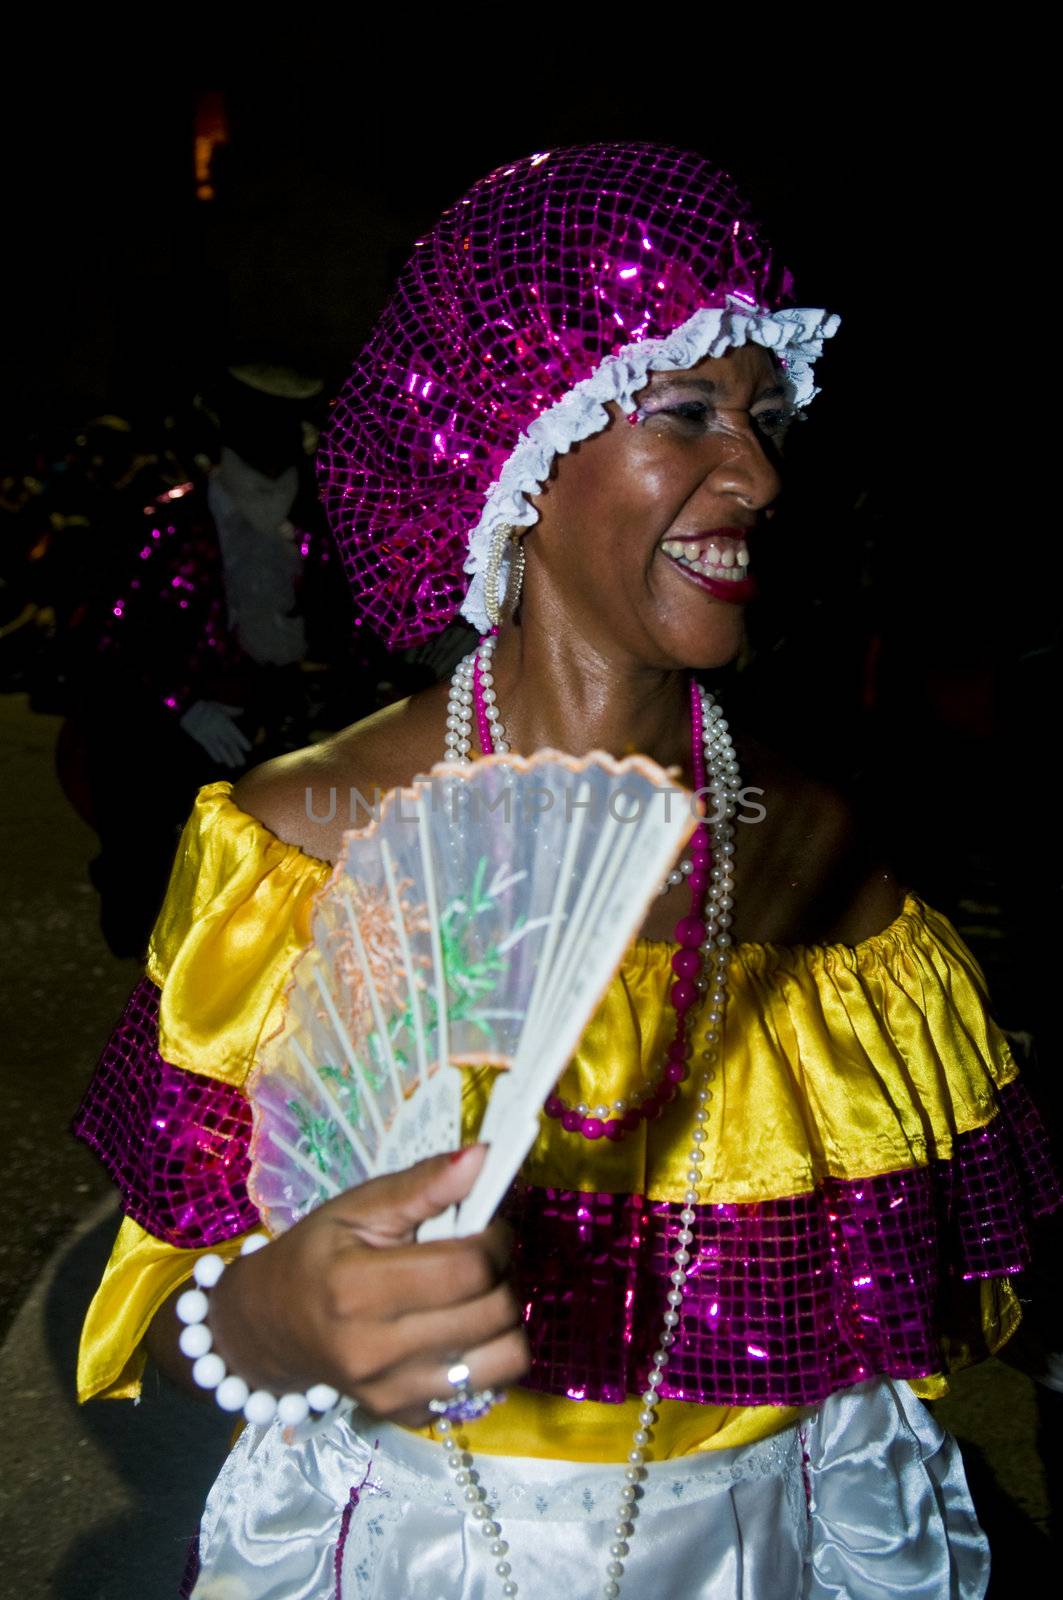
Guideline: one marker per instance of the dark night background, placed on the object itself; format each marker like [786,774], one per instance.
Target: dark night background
[909,583]
[907,639]
[888,187]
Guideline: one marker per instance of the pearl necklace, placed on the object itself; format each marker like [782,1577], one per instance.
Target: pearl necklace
[460,725]
[682,870]
[714,940]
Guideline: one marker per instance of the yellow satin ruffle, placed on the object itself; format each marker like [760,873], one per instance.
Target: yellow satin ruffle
[140,1276]
[235,916]
[840,1062]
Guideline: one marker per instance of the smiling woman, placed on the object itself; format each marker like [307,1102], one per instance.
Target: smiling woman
[781,1187]
[641,542]
[720,556]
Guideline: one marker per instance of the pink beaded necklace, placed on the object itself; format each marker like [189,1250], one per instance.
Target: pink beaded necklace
[687,961]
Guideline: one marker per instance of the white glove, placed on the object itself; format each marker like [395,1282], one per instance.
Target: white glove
[210,723]
[1051,1376]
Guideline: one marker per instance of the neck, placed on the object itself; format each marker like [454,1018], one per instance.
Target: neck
[559,690]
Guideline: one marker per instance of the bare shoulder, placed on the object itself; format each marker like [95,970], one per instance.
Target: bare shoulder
[807,870]
[310,797]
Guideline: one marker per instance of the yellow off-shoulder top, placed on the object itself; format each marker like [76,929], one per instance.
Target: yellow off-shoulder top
[840,1061]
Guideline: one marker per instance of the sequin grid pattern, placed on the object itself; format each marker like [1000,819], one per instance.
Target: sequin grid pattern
[175,1143]
[787,1300]
[543,269]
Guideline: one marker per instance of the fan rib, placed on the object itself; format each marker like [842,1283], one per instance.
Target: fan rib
[304,1162]
[605,864]
[379,1021]
[432,902]
[534,1072]
[407,957]
[353,1136]
[510,1116]
[557,916]
[368,1097]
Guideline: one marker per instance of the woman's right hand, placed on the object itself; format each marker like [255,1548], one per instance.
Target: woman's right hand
[347,1297]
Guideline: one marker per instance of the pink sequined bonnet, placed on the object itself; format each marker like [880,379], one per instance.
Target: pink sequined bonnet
[555,285]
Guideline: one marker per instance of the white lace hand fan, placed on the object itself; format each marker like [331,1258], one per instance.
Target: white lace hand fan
[477,919]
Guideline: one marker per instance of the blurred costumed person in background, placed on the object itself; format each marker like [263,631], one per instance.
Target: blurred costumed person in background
[190,666]
[781,1188]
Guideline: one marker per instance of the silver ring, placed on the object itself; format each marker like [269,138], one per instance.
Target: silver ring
[465,1404]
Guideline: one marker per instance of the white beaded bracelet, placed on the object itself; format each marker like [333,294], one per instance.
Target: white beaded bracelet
[209,1370]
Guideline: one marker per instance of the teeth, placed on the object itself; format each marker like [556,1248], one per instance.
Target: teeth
[728,564]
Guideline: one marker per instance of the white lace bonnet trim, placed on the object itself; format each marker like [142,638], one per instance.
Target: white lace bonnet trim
[796,336]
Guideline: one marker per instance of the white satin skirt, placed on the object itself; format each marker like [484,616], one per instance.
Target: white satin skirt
[866,1500]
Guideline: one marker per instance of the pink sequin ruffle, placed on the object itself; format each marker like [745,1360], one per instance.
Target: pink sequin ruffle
[174,1143]
[787,1300]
